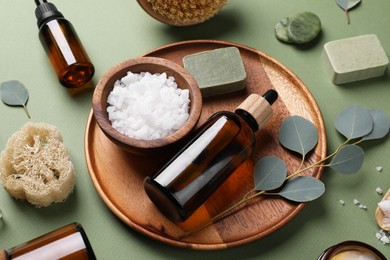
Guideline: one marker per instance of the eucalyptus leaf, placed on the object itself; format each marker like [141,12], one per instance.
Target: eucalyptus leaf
[269,173]
[14,93]
[298,134]
[348,160]
[303,189]
[354,122]
[381,125]
[346,5]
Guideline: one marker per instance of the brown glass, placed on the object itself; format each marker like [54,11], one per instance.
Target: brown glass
[66,53]
[223,143]
[67,243]
[350,245]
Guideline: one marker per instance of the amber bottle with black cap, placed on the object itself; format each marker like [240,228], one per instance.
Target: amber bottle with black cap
[63,46]
[67,243]
[218,147]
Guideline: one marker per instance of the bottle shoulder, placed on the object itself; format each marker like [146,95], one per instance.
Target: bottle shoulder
[238,119]
[55,22]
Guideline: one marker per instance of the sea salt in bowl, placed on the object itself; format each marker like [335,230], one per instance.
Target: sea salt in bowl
[152,65]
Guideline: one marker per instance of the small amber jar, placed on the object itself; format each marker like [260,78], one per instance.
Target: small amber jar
[351,250]
[63,47]
[67,243]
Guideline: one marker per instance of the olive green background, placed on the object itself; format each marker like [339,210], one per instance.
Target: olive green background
[113,31]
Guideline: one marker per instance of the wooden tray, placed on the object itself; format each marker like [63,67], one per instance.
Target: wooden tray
[118,176]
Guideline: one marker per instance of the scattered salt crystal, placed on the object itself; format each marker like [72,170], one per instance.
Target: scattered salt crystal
[383,237]
[379,191]
[362,206]
[342,202]
[385,240]
[359,204]
[147,106]
[379,168]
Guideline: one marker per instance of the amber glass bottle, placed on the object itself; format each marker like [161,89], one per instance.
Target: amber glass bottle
[220,145]
[63,47]
[67,243]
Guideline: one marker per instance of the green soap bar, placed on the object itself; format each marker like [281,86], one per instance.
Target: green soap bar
[355,58]
[218,71]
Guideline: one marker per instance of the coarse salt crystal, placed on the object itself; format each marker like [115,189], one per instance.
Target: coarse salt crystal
[384,205]
[379,168]
[383,236]
[362,206]
[147,106]
[385,240]
[356,202]
[379,191]
[342,202]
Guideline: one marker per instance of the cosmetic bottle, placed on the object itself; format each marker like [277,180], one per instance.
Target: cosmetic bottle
[218,147]
[67,243]
[63,47]
[352,249]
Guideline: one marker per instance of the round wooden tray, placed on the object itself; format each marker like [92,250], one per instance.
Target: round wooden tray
[118,176]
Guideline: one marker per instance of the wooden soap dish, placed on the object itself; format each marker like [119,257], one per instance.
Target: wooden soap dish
[118,176]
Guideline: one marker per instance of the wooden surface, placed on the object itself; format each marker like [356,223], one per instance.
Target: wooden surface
[153,65]
[350,245]
[118,176]
[3,255]
[379,216]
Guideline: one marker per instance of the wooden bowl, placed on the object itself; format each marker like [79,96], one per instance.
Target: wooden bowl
[153,65]
[380,216]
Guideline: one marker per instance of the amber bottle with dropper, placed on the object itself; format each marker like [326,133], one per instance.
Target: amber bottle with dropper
[68,243]
[218,147]
[63,47]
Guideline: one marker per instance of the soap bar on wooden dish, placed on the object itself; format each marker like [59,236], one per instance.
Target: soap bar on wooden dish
[217,71]
[356,58]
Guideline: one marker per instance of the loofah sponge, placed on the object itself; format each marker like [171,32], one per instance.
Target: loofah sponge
[187,11]
[35,165]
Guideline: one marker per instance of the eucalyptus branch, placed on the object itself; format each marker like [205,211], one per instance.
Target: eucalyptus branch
[319,163]
[270,173]
[220,215]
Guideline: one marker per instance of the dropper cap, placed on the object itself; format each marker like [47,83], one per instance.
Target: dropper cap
[259,107]
[3,255]
[46,12]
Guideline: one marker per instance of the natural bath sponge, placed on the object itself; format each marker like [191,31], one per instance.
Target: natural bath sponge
[187,11]
[35,165]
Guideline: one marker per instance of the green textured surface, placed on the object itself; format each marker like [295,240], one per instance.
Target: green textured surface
[355,58]
[217,71]
[114,32]
[281,30]
[303,27]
